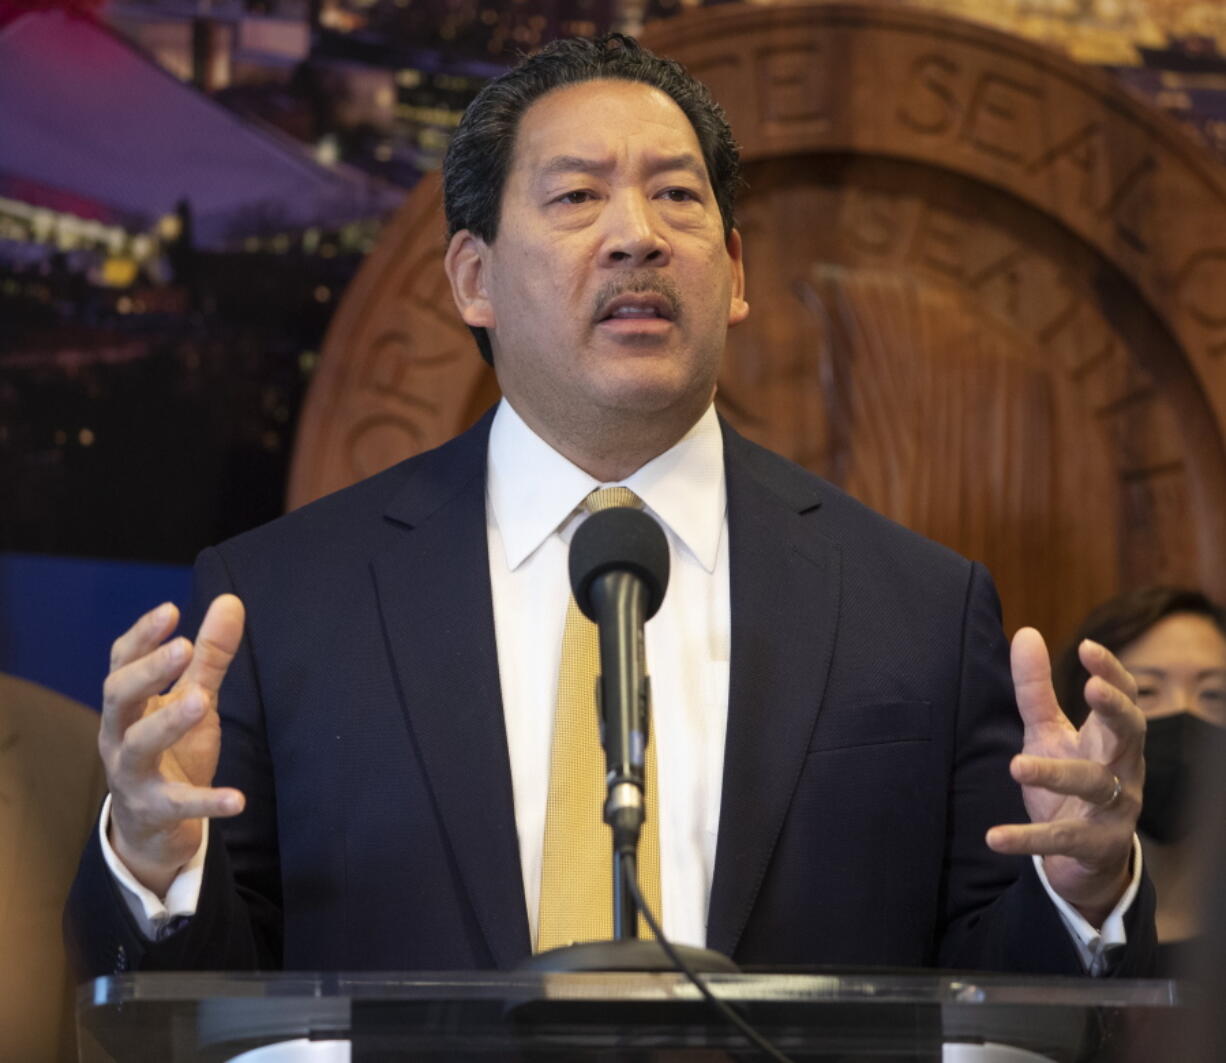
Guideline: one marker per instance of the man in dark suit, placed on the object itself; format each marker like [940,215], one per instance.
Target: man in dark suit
[359,714]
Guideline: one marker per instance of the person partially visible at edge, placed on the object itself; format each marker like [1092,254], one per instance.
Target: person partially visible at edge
[348,767]
[1173,641]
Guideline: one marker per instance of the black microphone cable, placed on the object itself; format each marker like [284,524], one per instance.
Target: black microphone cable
[631,874]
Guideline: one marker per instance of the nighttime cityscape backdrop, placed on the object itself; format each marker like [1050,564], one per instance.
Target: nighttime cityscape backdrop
[187,186]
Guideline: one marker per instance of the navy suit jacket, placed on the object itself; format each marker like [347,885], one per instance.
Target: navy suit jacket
[870,724]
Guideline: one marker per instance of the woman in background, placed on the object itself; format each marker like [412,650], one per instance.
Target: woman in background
[1173,641]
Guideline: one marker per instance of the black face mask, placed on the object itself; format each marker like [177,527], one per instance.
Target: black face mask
[1172,748]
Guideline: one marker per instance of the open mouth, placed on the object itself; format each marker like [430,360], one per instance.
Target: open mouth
[637,306]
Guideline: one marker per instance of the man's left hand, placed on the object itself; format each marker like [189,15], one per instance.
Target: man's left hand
[1082,788]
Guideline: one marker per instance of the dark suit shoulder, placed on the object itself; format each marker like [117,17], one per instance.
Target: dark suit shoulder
[360,517]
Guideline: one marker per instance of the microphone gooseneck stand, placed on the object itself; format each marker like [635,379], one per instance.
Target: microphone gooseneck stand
[619,600]
[619,572]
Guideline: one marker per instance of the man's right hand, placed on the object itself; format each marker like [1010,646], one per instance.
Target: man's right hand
[160,750]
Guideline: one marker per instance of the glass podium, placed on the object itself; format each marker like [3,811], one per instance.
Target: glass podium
[807,1015]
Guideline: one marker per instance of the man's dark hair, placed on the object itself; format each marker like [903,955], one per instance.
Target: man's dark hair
[1115,624]
[479,156]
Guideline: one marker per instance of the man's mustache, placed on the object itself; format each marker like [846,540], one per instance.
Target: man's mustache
[638,284]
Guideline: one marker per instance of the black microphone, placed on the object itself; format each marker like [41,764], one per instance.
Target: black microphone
[619,573]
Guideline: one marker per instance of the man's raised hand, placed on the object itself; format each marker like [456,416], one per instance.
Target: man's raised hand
[160,750]
[1082,788]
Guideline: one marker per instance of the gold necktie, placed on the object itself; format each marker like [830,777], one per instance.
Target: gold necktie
[577,863]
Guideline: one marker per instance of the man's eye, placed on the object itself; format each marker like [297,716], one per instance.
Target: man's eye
[580,195]
[680,195]
[1146,692]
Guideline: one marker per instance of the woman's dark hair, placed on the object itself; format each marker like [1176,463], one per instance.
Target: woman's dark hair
[1116,623]
[479,155]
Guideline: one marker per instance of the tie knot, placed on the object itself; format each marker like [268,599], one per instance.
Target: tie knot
[610,498]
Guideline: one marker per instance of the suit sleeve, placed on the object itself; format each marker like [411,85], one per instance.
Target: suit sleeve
[237,925]
[996,913]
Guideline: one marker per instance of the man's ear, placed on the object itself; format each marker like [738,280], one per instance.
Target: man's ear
[465,263]
[738,308]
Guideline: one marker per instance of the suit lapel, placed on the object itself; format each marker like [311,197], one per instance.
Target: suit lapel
[434,594]
[784,592]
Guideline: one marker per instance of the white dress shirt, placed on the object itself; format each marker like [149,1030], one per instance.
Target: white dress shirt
[532,500]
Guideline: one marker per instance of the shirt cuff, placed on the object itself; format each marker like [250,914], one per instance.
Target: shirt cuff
[156,917]
[1094,946]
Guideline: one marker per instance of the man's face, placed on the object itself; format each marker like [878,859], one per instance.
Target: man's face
[609,289]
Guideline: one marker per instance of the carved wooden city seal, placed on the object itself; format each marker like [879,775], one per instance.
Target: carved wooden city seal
[988,294]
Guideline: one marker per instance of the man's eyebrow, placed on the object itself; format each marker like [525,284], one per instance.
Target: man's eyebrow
[685,160]
[563,164]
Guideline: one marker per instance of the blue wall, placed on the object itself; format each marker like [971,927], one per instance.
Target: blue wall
[59,615]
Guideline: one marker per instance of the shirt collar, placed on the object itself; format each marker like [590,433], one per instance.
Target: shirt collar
[532,489]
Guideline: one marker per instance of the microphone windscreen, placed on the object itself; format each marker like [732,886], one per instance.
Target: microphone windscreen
[619,539]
